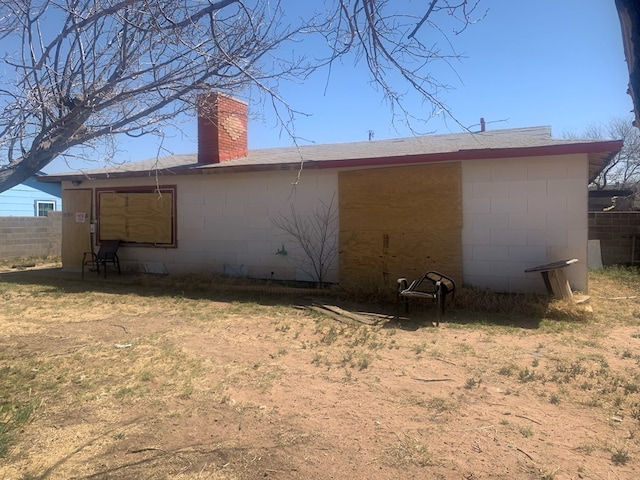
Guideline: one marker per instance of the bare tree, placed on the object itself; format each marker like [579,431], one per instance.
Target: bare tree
[623,170]
[77,72]
[317,235]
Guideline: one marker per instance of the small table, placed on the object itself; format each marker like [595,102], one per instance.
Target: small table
[555,278]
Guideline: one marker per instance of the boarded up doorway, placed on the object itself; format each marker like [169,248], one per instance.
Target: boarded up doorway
[76,227]
[399,222]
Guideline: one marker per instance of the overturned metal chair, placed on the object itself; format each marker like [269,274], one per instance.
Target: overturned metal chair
[432,286]
[107,255]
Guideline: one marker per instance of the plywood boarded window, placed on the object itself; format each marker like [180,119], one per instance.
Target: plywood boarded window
[137,216]
[399,222]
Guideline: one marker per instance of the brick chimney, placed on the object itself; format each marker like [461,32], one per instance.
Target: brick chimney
[222,128]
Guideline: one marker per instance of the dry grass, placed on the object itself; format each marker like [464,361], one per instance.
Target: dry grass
[214,379]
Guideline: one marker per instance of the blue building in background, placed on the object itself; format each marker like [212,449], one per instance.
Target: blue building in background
[31,199]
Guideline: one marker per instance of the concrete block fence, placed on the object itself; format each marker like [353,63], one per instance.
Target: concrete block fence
[30,236]
[616,231]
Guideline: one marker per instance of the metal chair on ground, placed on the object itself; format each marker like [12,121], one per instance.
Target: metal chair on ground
[432,286]
[107,255]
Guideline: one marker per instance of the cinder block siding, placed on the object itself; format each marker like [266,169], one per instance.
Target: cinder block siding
[523,212]
[224,223]
[30,236]
[615,231]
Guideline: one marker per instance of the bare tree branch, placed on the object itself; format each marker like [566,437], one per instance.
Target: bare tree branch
[623,171]
[85,71]
[316,235]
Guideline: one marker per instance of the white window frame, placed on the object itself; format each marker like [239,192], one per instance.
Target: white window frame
[40,203]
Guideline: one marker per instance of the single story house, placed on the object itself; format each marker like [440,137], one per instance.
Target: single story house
[31,199]
[481,207]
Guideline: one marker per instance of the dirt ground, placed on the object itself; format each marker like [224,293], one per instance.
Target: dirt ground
[132,381]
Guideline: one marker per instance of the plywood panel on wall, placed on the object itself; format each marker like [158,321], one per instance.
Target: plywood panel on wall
[136,217]
[400,222]
[76,224]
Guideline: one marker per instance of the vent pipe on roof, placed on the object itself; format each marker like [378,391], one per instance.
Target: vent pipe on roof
[483,124]
[222,128]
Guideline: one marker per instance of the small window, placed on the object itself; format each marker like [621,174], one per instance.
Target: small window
[43,208]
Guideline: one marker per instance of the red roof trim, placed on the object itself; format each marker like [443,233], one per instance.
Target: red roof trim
[609,146]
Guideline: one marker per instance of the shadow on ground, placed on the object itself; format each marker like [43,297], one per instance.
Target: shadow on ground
[504,311]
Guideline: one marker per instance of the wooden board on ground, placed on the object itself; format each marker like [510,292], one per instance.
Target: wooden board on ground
[344,316]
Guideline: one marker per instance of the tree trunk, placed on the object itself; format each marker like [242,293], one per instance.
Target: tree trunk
[629,13]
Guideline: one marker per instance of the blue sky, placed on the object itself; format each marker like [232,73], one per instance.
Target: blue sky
[549,62]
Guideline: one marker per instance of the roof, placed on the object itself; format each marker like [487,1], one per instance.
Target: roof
[508,143]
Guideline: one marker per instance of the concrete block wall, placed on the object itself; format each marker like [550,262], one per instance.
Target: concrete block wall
[616,230]
[225,224]
[31,236]
[523,212]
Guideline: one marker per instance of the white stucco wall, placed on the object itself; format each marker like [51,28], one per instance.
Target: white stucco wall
[520,213]
[224,223]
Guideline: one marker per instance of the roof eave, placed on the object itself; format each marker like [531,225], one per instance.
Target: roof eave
[193,170]
[600,153]
[608,147]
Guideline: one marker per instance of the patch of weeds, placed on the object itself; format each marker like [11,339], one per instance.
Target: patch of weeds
[283,328]
[441,404]
[361,339]
[146,376]
[620,457]
[12,417]
[33,476]
[571,371]
[393,345]
[347,358]
[317,359]
[585,386]
[463,348]
[363,361]
[526,375]
[507,370]
[471,383]
[586,448]
[636,335]
[409,452]
[330,337]
[630,388]
[526,431]
[419,348]
[376,345]
[282,351]
[595,402]
[627,353]
[535,363]
[554,399]
[187,390]
[548,475]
